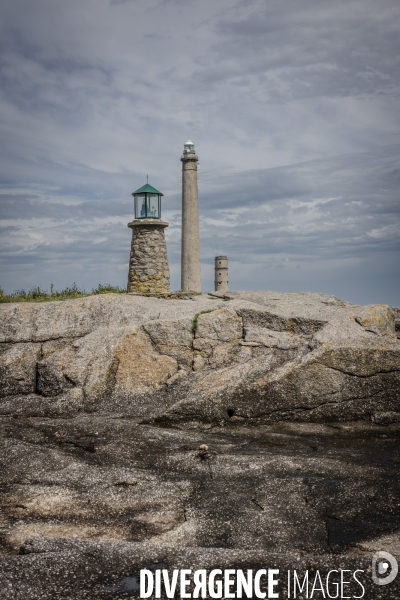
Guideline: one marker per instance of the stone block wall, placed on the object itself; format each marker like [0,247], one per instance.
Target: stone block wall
[148,264]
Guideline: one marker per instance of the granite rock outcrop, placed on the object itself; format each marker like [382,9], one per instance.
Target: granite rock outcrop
[246,357]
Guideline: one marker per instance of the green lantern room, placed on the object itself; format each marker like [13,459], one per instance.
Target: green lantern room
[147,202]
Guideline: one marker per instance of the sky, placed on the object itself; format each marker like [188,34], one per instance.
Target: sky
[294,109]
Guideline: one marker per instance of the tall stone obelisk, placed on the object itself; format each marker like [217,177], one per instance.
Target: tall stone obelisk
[190,266]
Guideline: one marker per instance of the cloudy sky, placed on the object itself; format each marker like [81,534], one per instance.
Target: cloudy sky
[294,107]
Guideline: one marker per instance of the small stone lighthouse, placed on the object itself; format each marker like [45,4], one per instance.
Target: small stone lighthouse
[190,266]
[148,264]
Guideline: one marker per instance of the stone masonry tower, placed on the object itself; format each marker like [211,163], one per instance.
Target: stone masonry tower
[190,273]
[221,274]
[148,264]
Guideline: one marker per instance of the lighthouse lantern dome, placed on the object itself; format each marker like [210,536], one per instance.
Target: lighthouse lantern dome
[189,148]
[147,202]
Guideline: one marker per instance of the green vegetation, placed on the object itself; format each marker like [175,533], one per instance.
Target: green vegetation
[36,294]
[196,318]
[106,288]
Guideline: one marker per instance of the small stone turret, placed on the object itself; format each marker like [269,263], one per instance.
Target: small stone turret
[148,264]
[221,274]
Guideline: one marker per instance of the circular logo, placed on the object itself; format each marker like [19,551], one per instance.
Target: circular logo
[384,568]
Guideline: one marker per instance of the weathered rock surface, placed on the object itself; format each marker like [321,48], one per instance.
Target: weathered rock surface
[247,356]
[18,368]
[66,569]
[284,495]
[228,429]
[396,312]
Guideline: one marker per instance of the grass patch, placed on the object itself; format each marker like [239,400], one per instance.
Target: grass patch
[196,318]
[36,294]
